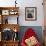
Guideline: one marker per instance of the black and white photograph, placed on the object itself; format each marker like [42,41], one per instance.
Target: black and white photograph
[30,13]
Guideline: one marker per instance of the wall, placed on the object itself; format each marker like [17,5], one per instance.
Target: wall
[32,3]
[26,3]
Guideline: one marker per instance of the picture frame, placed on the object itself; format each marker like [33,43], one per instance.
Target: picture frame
[30,13]
[5,12]
[12,12]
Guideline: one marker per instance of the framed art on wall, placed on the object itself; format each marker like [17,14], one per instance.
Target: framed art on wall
[5,12]
[30,13]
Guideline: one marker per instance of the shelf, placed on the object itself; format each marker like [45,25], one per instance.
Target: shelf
[9,11]
[10,26]
[11,41]
[10,19]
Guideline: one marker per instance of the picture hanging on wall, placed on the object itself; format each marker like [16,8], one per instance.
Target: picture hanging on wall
[30,13]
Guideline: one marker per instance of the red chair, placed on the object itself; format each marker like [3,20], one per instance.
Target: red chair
[29,33]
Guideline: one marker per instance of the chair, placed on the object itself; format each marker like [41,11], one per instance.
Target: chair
[28,36]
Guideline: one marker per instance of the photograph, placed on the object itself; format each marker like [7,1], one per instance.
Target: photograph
[5,12]
[30,13]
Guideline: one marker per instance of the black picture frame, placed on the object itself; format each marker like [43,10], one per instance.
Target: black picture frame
[30,13]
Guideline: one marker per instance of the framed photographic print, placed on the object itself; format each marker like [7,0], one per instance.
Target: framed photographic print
[5,12]
[30,13]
